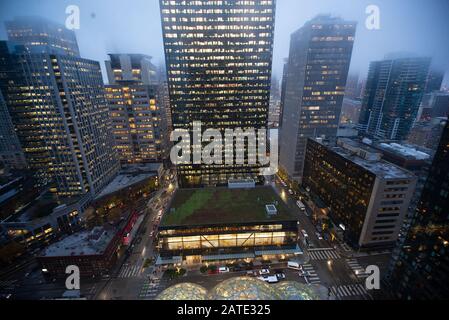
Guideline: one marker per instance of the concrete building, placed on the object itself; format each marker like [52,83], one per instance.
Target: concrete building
[368,197]
[131,67]
[94,252]
[427,133]
[319,58]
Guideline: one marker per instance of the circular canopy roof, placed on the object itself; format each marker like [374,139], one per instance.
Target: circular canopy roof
[183,291]
[291,290]
[243,288]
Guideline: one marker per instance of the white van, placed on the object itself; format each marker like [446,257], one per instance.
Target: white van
[293,265]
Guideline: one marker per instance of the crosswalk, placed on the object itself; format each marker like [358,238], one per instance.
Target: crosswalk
[357,268]
[313,276]
[150,289]
[324,254]
[352,290]
[129,271]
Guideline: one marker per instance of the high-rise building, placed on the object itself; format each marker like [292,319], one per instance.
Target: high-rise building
[136,117]
[434,81]
[283,89]
[427,133]
[41,35]
[353,86]
[11,154]
[419,271]
[218,58]
[320,54]
[131,67]
[60,114]
[392,97]
[368,197]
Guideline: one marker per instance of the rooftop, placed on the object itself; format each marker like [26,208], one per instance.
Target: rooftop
[123,181]
[405,150]
[223,205]
[93,242]
[380,168]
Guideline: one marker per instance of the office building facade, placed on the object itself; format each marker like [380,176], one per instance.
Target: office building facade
[392,97]
[367,197]
[11,154]
[41,35]
[58,107]
[136,117]
[419,270]
[131,67]
[320,54]
[218,57]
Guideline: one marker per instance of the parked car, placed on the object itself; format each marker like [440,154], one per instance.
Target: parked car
[264,271]
[269,279]
[294,265]
[280,275]
[223,270]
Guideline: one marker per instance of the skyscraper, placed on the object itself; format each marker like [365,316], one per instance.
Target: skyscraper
[41,35]
[320,54]
[419,270]
[392,97]
[58,107]
[127,67]
[218,57]
[434,80]
[11,154]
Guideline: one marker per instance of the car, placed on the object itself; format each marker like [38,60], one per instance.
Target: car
[264,271]
[280,275]
[294,265]
[318,235]
[151,234]
[237,268]
[251,273]
[290,191]
[223,270]
[269,279]
[304,233]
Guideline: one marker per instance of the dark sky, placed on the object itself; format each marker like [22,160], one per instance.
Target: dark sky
[114,26]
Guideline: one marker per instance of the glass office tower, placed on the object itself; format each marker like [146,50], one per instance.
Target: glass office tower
[218,57]
[316,72]
[420,269]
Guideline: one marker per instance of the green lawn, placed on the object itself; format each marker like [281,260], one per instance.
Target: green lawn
[222,205]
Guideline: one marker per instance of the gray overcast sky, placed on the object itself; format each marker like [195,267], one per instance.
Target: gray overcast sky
[112,26]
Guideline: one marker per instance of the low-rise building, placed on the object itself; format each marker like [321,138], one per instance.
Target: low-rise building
[94,252]
[219,224]
[367,196]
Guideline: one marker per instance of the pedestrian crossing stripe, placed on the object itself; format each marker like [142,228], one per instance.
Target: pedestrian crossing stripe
[324,255]
[129,271]
[349,291]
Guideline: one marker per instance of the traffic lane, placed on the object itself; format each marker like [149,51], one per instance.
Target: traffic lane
[304,220]
[334,273]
